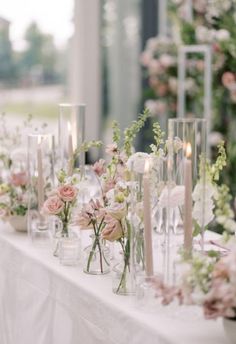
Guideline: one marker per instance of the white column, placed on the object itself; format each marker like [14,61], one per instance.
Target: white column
[85,69]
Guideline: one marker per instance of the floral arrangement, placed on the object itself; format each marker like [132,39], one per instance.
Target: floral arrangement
[92,216]
[214,24]
[206,281]
[109,216]
[12,139]
[13,195]
[62,200]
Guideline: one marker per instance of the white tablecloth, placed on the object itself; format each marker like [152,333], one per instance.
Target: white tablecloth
[42,302]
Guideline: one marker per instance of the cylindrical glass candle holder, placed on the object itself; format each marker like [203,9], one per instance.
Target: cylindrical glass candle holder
[40,163]
[71,136]
[186,177]
[70,248]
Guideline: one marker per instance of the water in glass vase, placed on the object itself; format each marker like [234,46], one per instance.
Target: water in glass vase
[97,257]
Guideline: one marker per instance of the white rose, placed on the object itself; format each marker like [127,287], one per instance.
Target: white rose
[156,107]
[176,197]
[203,212]
[215,138]
[230,225]
[222,35]
[136,162]
[208,190]
[173,85]
[190,85]
[201,33]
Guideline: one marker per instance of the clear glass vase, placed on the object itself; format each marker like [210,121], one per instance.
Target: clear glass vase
[69,249]
[97,257]
[59,232]
[123,282]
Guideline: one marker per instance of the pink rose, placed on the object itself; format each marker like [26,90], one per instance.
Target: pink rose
[153,81]
[112,230]
[228,79]
[99,167]
[162,90]
[219,301]
[155,67]
[53,205]
[19,179]
[67,193]
[145,58]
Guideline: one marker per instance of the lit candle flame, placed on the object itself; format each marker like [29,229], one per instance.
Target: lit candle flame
[188,150]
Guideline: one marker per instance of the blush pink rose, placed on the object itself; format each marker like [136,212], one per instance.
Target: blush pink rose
[67,193]
[53,206]
[19,179]
[112,230]
[99,167]
[228,79]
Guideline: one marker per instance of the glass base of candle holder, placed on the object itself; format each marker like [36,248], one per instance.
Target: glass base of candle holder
[40,233]
[123,282]
[69,250]
[145,294]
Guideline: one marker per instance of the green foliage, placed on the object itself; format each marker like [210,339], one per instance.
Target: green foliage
[116,133]
[223,202]
[131,132]
[86,146]
[213,170]
[40,56]
[158,137]
[20,210]
[220,163]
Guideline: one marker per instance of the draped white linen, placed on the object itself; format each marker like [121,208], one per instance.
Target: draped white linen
[42,302]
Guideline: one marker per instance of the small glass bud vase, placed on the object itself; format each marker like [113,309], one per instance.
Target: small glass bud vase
[97,257]
[60,231]
[69,249]
[123,282]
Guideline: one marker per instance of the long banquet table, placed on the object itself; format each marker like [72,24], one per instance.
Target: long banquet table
[43,302]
